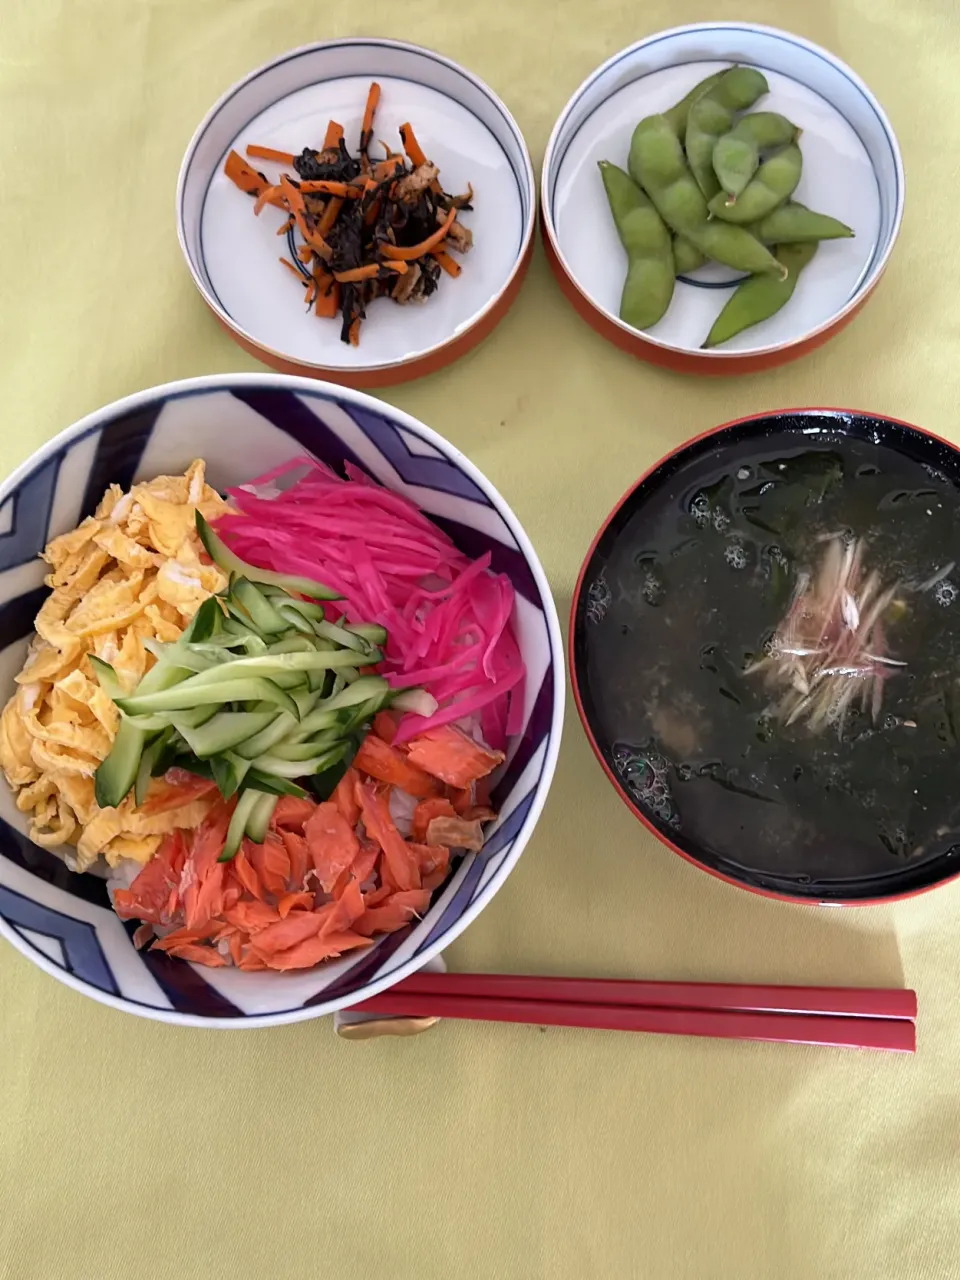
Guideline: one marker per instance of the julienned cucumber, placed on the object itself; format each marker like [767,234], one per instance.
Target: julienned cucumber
[181,698]
[223,557]
[117,774]
[260,690]
[250,818]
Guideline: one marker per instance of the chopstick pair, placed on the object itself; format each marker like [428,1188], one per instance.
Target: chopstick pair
[845,1017]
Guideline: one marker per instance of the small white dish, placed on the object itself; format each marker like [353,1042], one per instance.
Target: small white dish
[851,170]
[286,104]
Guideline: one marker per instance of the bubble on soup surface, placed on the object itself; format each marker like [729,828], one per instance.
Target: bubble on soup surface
[599,597]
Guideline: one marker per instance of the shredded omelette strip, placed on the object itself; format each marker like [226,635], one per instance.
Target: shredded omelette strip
[130,572]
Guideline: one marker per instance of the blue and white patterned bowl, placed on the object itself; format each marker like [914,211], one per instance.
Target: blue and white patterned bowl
[242,425]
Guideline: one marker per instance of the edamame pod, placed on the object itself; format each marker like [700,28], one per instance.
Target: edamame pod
[774,182]
[709,120]
[794,223]
[648,287]
[711,116]
[760,297]
[736,155]
[677,115]
[686,256]
[739,88]
[658,164]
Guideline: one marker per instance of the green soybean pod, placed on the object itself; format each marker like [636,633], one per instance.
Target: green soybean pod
[686,256]
[775,181]
[734,247]
[736,155]
[677,115]
[794,223]
[658,164]
[711,116]
[739,88]
[656,161]
[648,287]
[707,122]
[760,297]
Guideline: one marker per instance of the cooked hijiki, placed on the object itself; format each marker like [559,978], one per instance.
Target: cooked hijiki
[274,758]
[367,228]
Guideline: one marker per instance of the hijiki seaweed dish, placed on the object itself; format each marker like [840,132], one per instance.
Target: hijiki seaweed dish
[368,228]
[768,638]
[271,718]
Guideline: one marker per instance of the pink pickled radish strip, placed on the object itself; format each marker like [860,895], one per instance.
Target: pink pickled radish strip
[428,675]
[447,617]
[411,725]
[496,595]
[283,469]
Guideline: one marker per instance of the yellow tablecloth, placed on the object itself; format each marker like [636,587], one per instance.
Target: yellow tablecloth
[130,1148]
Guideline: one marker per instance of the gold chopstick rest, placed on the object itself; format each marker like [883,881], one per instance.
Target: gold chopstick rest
[371,1028]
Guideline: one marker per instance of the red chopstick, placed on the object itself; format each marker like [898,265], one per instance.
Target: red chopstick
[853,1002]
[725,1024]
[843,1017]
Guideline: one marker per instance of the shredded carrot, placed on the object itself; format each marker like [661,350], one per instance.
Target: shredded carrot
[243,176]
[282,231]
[328,292]
[450,267]
[370,217]
[290,267]
[425,246]
[304,253]
[358,273]
[320,188]
[354,333]
[411,146]
[268,153]
[328,301]
[333,136]
[366,128]
[400,267]
[301,221]
[325,281]
[316,243]
[269,195]
[311,293]
[388,168]
[293,196]
[330,213]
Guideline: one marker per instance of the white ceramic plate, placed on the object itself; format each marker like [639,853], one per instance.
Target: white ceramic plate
[461,125]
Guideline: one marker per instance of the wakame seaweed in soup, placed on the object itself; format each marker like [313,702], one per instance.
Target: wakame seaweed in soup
[770,647]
